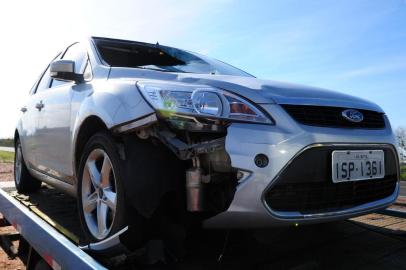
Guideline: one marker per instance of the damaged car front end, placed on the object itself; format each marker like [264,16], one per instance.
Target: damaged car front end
[192,121]
[249,171]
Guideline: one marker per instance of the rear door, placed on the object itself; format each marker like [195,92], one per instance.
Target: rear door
[29,120]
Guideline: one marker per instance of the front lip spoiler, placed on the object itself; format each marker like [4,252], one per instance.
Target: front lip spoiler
[367,207]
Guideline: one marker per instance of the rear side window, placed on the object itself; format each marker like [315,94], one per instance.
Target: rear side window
[77,53]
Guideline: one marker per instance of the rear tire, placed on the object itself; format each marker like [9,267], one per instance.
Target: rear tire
[101,199]
[24,181]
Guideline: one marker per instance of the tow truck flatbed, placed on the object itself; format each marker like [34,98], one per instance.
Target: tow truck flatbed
[48,221]
[55,239]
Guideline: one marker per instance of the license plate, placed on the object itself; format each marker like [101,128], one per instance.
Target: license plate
[357,165]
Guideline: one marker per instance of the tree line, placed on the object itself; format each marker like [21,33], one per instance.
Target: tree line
[400,133]
[7,142]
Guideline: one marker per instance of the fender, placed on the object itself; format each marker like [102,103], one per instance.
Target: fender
[113,102]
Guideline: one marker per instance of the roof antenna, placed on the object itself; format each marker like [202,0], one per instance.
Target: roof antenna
[157,44]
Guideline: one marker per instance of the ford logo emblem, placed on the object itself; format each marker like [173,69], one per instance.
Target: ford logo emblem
[353,115]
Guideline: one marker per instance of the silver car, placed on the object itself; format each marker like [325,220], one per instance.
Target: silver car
[149,136]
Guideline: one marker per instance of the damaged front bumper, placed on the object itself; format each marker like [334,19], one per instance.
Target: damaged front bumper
[282,143]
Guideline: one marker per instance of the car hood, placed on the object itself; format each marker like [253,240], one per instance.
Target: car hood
[256,90]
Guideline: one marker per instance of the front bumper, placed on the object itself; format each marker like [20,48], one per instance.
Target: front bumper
[283,143]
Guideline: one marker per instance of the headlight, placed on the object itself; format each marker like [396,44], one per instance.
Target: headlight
[200,101]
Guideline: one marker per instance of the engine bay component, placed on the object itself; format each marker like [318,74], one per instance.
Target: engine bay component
[143,133]
[195,126]
[186,151]
[197,145]
[194,189]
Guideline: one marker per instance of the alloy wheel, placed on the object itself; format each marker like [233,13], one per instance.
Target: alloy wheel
[18,165]
[99,196]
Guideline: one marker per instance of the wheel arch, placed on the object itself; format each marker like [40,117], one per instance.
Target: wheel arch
[90,126]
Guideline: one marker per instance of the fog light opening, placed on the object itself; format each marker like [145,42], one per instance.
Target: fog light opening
[261,160]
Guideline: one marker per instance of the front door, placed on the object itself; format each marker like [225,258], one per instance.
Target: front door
[53,132]
[55,121]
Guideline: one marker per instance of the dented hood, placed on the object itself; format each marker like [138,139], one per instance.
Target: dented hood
[256,90]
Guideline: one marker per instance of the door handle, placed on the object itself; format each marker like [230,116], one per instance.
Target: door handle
[23,109]
[39,106]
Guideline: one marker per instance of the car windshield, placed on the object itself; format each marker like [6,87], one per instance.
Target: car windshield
[118,53]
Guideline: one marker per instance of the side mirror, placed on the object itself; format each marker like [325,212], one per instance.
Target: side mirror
[64,70]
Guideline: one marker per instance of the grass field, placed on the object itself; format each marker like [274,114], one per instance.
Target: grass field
[403,172]
[6,157]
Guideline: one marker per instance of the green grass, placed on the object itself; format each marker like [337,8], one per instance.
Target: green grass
[403,172]
[6,157]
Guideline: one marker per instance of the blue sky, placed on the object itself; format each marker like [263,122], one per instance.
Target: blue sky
[352,46]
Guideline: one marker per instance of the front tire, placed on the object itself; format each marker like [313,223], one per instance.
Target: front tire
[101,198]
[24,181]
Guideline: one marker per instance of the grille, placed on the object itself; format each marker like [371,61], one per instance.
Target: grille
[305,186]
[331,117]
[314,197]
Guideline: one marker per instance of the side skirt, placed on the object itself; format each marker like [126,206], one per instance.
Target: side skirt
[58,184]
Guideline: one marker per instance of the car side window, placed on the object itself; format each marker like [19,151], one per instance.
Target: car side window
[78,54]
[44,82]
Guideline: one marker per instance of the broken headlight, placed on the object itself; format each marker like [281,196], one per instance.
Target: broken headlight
[200,101]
